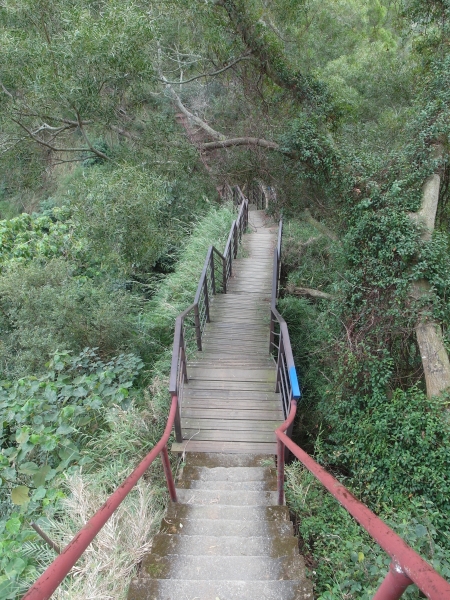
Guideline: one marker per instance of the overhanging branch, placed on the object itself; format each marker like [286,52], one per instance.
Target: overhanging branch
[246,56]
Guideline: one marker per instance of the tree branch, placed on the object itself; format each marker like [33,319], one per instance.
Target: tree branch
[41,142]
[212,132]
[86,139]
[242,141]
[123,132]
[246,56]
[8,93]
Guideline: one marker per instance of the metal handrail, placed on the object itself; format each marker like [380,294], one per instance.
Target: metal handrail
[287,381]
[407,567]
[47,583]
[208,286]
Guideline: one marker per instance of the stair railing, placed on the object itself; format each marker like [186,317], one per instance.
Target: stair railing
[190,324]
[257,194]
[47,583]
[407,567]
[280,344]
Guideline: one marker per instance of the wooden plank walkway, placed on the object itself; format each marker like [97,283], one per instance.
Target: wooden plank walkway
[229,404]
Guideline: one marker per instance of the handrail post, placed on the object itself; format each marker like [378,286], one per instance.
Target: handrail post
[280,472]
[168,473]
[235,240]
[205,291]
[394,584]
[279,361]
[183,357]
[272,331]
[198,329]
[213,276]
[177,422]
[224,274]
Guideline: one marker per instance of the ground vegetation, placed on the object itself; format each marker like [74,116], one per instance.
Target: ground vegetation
[119,124]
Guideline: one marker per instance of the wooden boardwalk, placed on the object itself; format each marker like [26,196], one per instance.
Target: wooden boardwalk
[229,404]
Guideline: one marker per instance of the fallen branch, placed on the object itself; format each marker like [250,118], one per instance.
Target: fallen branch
[242,141]
[303,291]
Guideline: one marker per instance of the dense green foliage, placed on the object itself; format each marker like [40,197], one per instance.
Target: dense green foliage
[119,209]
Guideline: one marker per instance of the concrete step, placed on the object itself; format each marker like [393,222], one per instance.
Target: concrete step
[204,545]
[247,486]
[237,474]
[234,447]
[226,497]
[247,568]
[176,589]
[227,527]
[220,460]
[226,512]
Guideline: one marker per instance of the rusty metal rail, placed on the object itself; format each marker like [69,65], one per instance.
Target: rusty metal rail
[190,324]
[47,583]
[407,567]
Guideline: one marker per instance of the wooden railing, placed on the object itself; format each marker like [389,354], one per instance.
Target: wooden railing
[190,324]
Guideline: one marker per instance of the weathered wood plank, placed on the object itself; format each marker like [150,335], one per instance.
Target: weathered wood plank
[225,435]
[230,424]
[234,374]
[222,414]
[256,386]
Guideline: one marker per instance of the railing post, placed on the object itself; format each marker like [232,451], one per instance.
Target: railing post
[168,473]
[224,274]
[272,331]
[205,291]
[279,361]
[235,240]
[198,329]
[177,423]
[394,584]
[213,276]
[183,358]
[280,472]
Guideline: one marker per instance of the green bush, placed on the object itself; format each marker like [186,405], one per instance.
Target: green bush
[46,307]
[45,424]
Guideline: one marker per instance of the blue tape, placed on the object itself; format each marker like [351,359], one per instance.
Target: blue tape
[294,383]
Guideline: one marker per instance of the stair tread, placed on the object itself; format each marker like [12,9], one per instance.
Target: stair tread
[231,448]
[227,512]
[236,474]
[247,568]
[226,527]
[228,545]
[227,497]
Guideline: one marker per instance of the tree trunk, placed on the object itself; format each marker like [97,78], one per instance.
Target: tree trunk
[435,361]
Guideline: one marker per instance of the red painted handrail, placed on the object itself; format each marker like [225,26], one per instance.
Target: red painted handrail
[47,583]
[407,566]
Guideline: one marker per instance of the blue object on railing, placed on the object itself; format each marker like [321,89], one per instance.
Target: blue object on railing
[296,394]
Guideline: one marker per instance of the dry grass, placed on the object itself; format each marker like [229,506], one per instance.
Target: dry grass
[105,569]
